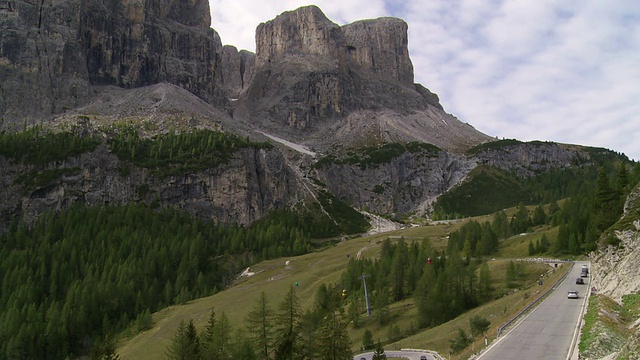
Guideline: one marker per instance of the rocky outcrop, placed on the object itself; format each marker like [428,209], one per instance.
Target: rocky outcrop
[532,158]
[254,182]
[302,32]
[616,268]
[381,47]
[407,182]
[52,52]
[312,74]
[237,70]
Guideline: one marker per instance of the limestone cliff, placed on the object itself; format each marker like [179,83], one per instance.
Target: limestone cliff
[614,329]
[617,268]
[312,77]
[52,52]
[237,70]
[254,182]
[380,46]
[302,32]
[409,182]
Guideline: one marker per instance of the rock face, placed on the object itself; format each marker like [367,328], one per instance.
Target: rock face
[406,183]
[616,269]
[528,159]
[381,47]
[302,32]
[311,75]
[614,273]
[237,70]
[242,191]
[52,52]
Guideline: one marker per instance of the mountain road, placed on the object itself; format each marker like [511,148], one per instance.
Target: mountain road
[550,330]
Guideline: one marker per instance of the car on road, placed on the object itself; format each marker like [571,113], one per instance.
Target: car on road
[572,294]
[579,281]
[423,357]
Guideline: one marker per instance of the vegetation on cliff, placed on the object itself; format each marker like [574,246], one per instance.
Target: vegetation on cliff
[36,146]
[176,153]
[376,155]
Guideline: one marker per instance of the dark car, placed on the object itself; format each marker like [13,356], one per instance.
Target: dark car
[580,281]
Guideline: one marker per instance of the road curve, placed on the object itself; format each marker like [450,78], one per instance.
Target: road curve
[548,332]
[407,354]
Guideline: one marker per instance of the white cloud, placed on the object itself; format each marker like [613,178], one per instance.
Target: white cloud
[556,70]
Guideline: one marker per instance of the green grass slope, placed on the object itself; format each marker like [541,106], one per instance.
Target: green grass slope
[311,270]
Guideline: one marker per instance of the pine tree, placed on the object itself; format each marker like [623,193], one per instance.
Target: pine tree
[484,282]
[214,337]
[260,327]
[333,338]
[379,353]
[539,216]
[289,345]
[532,249]
[185,344]
[367,340]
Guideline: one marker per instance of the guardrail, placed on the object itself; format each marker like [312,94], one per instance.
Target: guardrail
[430,352]
[524,311]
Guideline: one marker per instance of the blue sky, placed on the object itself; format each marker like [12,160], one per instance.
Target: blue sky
[552,70]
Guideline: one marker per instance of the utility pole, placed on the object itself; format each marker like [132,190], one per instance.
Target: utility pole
[366,294]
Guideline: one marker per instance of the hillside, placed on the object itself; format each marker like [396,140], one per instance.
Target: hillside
[328,266]
[612,328]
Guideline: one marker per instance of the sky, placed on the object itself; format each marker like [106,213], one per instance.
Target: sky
[552,70]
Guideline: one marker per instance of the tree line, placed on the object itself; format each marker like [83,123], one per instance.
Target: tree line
[283,333]
[76,277]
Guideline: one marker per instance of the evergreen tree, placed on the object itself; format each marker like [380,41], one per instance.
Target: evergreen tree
[333,337]
[242,348]
[379,353]
[532,249]
[606,202]
[539,216]
[216,338]
[260,327]
[289,345]
[500,225]
[185,344]
[544,244]
[355,310]
[367,340]
[208,336]
[484,282]
[397,275]
[623,178]
[520,223]
[478,325]
[460,341]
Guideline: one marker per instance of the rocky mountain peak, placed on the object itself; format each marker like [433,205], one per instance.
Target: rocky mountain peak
[305,31]
[380,46]
[52,52]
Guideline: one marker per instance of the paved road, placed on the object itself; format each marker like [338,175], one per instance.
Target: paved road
[548,331]
[412,355]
